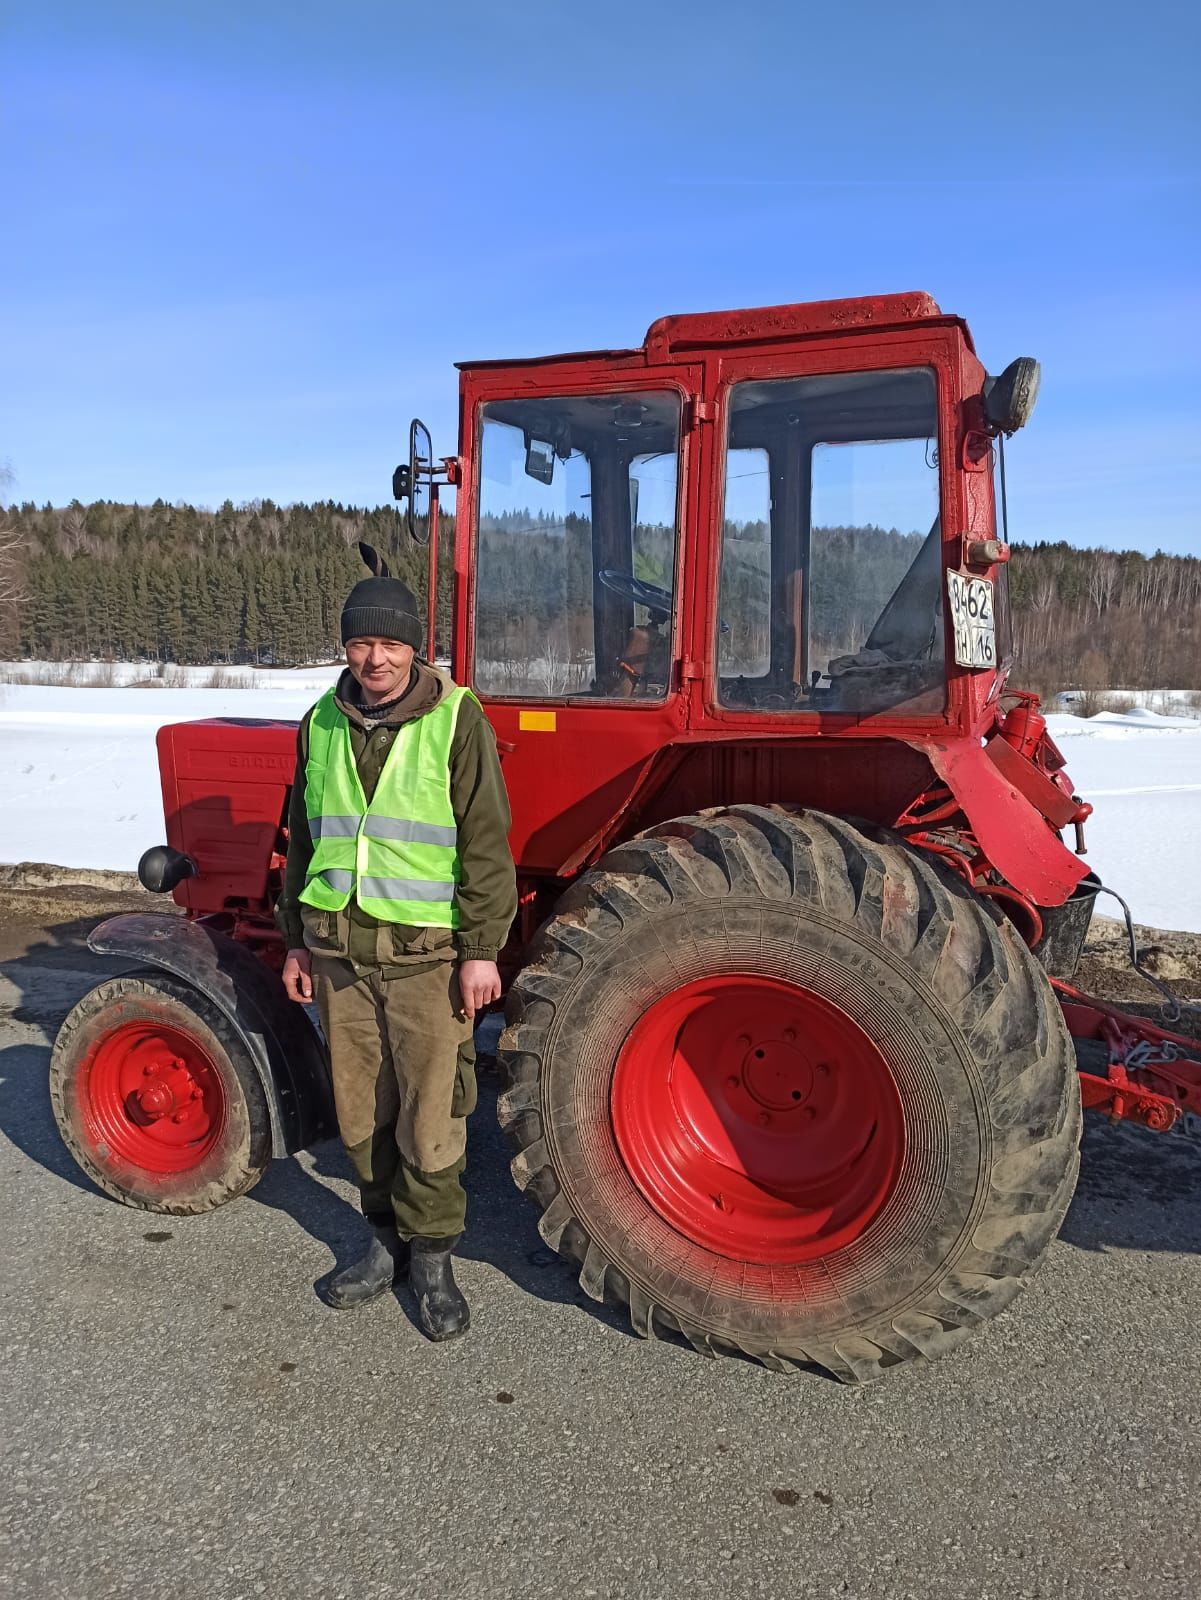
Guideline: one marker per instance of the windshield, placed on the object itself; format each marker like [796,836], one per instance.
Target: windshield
[831,576]
[577,541]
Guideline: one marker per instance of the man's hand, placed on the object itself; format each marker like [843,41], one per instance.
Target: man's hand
[298,976]
[480,983]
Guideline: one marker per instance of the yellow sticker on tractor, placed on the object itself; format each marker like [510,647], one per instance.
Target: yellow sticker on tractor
[536,721]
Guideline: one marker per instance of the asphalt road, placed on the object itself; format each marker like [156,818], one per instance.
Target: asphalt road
[183,1417]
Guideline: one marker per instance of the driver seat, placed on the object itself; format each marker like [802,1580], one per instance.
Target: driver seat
[644,660]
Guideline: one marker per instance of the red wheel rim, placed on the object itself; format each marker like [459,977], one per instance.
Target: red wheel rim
[151,1097]
[758,1119]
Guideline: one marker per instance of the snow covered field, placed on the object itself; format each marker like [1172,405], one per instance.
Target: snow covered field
[155,675]
[80,780]
[1142,774]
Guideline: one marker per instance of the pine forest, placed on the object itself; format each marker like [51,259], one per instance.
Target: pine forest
[263,584]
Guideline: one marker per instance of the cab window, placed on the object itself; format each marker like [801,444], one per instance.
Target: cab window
[831,576]
[577,546]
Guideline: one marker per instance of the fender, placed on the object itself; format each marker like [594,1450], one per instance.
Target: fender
[288,1052]
[1016,838]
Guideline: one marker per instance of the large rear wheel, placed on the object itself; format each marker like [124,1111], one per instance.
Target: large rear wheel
[156,1096]
[783,1086]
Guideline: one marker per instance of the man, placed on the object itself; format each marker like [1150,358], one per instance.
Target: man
[398,894]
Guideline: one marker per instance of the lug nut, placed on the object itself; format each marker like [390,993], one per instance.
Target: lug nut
[810,1113]
[790,1034]
[764,1120]
[732,1082]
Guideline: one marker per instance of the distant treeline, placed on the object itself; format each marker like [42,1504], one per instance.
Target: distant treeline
[262,583]
[257,583]
[1099,619]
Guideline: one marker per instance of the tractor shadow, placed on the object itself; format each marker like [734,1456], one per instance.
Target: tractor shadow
[45,969]
[1137,1191]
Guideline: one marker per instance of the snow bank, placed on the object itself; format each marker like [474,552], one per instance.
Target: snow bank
[1170,702]
[80,781]
[1142,773]
[154,675]
[1111,724]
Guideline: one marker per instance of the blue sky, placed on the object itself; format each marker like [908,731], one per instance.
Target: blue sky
[242,244]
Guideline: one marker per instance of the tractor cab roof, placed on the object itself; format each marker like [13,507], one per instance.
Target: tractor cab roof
[694,331]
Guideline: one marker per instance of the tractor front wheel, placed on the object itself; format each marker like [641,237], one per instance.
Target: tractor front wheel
[781,1085]
[156,1097]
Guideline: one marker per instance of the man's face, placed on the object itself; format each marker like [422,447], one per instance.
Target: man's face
[380,667]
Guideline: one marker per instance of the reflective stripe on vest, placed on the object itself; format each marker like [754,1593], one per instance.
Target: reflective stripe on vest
[398,857]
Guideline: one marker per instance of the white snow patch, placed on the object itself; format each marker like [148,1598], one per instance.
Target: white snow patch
[80,768]
[1142,772]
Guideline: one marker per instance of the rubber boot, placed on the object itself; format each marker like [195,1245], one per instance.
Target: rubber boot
[441,1309]
[384,1264]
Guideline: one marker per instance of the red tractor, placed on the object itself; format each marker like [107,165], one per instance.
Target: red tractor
[789,1040]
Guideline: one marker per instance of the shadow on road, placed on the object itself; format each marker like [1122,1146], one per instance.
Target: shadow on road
[49,972]
[501,1225]
[1137,1191]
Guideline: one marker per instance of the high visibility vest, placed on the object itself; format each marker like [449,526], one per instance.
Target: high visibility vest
[398,856]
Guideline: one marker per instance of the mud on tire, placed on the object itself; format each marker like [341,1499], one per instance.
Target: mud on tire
[973,1039]
[136,1027]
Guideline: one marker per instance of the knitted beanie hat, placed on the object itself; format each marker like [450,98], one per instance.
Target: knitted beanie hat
[381,607]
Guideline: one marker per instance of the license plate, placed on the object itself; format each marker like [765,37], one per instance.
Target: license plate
[973,620]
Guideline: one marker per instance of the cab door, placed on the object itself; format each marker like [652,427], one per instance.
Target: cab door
[570,552]
[836,509]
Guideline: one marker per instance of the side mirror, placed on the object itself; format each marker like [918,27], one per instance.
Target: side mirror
[420,473]
[1009,399]
[539,459]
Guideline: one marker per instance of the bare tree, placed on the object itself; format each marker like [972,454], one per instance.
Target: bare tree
[12,585]
[74,529]
[1102,580]
[11,549]
[12,546]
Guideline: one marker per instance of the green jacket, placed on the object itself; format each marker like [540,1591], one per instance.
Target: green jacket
[487,895]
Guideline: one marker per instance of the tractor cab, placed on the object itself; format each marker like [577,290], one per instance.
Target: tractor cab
[765,504]
[758,529]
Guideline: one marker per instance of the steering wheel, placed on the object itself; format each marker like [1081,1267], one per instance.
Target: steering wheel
[657,601]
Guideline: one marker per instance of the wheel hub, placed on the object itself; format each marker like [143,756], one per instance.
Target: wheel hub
[168,1089]
[775,1072]
[152,1097]
[757,1118]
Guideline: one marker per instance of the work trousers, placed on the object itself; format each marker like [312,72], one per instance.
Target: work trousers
[403,1067]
